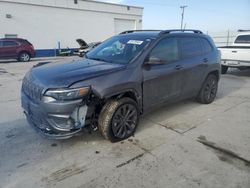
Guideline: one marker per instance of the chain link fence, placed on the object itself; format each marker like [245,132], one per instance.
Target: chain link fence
[223,38]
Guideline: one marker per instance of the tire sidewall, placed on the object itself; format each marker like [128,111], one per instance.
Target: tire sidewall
[224,69]
[202,94]
[108,133]
[20,57]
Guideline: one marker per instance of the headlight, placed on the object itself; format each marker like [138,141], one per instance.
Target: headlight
[67,94]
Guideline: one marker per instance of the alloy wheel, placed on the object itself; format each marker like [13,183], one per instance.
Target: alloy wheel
[24,57]
[124,121]
[210,89]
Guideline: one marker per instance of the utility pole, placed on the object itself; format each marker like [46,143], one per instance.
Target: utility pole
[182,14]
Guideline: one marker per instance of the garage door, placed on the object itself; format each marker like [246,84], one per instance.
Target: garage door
[123,25]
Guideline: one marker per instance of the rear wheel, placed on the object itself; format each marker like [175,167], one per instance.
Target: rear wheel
[209,90]
[118,119]
[224,69]
[24,57]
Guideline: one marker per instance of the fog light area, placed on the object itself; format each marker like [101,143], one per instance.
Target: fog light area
[66,123]
[79,116]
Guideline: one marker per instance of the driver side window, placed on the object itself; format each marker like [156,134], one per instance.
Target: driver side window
[166,50]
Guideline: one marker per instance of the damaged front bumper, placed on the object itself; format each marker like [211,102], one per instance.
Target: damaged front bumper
[55,120]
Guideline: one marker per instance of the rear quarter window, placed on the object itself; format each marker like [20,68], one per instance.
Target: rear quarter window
[207,47]
[26,42]
[190,47]
[242,39]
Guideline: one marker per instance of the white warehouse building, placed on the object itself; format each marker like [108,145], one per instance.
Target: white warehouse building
[48,24]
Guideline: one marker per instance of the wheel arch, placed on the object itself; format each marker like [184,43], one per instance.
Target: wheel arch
[212,72]
[130,93]
[216,73]
[23,51]
[202,96]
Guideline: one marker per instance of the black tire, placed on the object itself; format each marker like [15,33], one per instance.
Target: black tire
[24,57]
[224,69]
[209,89]
[118,119]
[82,54]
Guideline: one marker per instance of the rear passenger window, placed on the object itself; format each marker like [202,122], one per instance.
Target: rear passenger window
[166,50]
[9,43]
[206,46]
[190,47]
[243,39]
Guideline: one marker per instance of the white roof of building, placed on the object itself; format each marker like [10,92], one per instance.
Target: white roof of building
[87,5]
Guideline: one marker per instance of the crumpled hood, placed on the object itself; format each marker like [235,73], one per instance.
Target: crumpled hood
[63,74]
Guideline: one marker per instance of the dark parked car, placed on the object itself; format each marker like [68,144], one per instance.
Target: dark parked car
[16,48]
[122,78]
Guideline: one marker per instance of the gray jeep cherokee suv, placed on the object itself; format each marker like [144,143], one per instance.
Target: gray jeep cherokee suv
[124,77]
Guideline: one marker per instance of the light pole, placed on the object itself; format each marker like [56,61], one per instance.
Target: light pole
[182,14]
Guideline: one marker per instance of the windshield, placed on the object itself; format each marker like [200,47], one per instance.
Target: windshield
[119,49]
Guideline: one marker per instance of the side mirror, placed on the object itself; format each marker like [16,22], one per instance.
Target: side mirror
[154,61]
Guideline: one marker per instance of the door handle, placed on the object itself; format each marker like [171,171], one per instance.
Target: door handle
[205,60]
[234,51]
[178,67]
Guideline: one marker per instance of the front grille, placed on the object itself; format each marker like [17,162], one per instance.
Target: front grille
[31,89]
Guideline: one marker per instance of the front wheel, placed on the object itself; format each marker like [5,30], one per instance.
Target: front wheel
[118,119]
[24,57]
[224,69]
[209,90]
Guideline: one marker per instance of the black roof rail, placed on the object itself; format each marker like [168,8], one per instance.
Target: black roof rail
[181,30]
[163,31]
[242,30]
[134,31]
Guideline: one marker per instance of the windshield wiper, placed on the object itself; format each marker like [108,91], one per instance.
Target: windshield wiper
[99,59]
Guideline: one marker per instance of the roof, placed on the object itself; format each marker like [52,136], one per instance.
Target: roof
[115,4]
[16,39]
[85,5]
[144,34]
[243,33]
[156,33]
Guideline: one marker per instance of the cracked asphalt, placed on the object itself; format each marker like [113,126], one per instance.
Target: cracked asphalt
[181,145]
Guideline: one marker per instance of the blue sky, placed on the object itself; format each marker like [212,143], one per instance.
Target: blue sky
[207,15]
